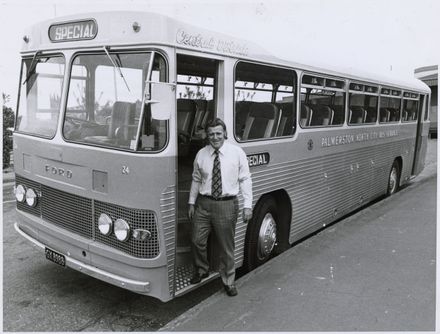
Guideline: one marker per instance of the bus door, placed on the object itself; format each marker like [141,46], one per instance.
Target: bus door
[421,136]
[196,100]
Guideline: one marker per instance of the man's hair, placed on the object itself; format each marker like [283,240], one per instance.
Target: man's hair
[216,122]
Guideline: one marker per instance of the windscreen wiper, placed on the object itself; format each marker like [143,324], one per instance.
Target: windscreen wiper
[116,66]
[32,67]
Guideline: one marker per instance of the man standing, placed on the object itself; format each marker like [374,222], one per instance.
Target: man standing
[220,171]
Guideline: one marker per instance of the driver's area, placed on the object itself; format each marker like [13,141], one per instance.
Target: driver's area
[104,104]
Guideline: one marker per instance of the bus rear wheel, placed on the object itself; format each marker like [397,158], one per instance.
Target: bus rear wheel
[262,234]
[394,178]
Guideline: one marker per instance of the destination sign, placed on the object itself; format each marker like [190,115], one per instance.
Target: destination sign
[73,31]
[258,159]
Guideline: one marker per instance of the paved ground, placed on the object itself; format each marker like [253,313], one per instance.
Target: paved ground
[374,271]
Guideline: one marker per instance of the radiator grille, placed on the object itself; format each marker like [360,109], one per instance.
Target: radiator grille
[75,214]
[71,212]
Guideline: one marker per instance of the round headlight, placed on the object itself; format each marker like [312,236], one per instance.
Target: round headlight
[105,224]
[20,193]
[31,197]
[121,229]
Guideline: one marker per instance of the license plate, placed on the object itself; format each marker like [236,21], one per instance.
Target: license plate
[55,257]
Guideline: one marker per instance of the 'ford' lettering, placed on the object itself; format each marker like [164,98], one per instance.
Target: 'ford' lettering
[73,31]
[258,159]
[58,171]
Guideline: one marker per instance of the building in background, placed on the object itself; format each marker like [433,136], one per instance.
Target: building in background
[429,75]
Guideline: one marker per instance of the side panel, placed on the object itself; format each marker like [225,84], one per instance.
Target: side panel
[328,173]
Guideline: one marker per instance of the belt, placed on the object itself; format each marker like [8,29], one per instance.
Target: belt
[224,198]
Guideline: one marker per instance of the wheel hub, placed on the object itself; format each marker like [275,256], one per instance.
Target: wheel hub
[393,181]
[267,236]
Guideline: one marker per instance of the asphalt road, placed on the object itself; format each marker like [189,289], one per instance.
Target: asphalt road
[41,296]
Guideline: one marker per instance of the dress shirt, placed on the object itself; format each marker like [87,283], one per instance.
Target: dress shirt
[235,173]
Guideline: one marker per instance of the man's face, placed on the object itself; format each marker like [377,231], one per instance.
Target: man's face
[216,136]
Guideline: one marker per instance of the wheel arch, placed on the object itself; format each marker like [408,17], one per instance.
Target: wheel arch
[284,208]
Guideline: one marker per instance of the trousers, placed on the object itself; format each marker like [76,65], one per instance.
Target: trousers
[220,216]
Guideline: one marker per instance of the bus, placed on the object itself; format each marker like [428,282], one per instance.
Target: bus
[111,112]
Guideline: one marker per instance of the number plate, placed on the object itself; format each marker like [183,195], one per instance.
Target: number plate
[55,257]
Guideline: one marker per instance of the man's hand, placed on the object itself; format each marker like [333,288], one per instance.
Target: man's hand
[191,211]
[247,214]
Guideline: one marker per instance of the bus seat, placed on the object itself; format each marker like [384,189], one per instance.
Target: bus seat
[200,113]
[261,121]
[209,114]
[242,109]
[186,112]
[357,115]
[286,122]
[122,117]
[370,115]
[322,115]
[394,115]
[384,115]
[306,115]
[405,115]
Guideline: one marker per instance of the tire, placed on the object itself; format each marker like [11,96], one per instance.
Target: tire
[262,234]
[393,179]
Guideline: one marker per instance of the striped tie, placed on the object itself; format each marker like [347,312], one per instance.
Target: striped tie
[216,187]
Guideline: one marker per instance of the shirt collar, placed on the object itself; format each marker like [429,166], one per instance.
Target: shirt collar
[221,149]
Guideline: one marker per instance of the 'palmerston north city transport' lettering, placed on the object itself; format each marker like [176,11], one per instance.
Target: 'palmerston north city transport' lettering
[73,31]
[210,43]
[357,138]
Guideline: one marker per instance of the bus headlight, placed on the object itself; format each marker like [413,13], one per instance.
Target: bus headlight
[31,197]
[20,193]
[121,229]
[105,224]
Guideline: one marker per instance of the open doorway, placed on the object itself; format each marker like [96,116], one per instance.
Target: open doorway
[196,105]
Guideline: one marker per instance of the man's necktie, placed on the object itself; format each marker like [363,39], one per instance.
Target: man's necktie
[216,187]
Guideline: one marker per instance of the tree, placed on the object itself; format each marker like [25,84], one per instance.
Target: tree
[8,122]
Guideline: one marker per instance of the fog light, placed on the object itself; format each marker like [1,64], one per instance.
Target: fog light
[141,235]
[31,197]
[20,193]
[121,229]
[105,224]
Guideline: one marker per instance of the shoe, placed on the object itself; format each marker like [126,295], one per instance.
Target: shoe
[231,290]
[197,278]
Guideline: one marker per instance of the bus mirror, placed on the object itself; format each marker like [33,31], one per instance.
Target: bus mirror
[161,96]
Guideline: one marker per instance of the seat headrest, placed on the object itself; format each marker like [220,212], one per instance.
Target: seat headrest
[263,110]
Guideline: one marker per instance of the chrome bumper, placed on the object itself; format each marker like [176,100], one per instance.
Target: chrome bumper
[136,286]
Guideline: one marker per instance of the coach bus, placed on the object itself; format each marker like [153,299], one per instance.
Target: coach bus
[111,112]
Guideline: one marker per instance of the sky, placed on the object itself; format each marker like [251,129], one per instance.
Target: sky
[379,36]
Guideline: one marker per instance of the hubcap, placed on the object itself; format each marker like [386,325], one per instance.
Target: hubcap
[393,181]
[267,236]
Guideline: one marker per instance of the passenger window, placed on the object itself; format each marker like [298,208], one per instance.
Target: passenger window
[322,102]
[264,102]
[363,103]
[409,112]
[389,108]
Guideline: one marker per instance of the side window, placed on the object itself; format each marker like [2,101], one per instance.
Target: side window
[363,102]
[322,102]
[410,110]
[390,103]
[264,102]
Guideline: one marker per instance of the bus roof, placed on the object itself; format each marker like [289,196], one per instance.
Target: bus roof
[125,28]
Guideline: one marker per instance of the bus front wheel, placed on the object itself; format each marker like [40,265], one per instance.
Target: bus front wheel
[262,234]
[394,178]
